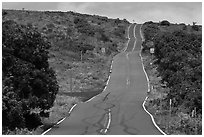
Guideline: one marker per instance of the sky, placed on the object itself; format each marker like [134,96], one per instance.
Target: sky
[140,12]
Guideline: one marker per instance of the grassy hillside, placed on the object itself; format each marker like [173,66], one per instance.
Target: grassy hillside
[82,48]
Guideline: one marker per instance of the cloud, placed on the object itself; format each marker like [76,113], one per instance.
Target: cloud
[78,6]
[175,12]
[29,5]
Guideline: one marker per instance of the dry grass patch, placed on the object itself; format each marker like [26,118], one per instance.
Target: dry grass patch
[61,108]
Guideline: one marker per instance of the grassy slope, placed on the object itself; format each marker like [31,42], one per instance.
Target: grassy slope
[89,75]
[162,116]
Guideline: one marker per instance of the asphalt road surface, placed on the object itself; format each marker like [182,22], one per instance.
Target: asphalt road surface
[117,110]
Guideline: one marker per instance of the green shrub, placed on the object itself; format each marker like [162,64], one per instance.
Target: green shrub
[164,23]
[28,82]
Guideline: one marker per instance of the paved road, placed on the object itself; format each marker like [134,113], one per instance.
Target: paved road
[118,110]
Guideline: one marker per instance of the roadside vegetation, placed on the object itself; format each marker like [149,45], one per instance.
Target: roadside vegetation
[51,61]
[175,73]
[29,84]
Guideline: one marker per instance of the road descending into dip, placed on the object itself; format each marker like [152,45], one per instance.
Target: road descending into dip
[118,109]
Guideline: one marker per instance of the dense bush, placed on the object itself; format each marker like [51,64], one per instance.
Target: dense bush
[149,33]
[195,27]
[29,85]
[4,13]
[178,57]
[164,23]
[180,65]
[149,22]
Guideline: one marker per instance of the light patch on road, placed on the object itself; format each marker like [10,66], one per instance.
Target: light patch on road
[128,81]
[127,56]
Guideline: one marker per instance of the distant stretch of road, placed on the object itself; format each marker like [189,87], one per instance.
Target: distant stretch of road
[118,109]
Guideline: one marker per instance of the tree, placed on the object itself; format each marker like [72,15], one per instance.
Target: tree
[29,85]
[4,13]
[195,27]
[164,23]
[149,22]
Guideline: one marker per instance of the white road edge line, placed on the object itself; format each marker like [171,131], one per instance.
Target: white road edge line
[141,34]
[60,120]
[128,39]
[71,109]
[135,38]
[109,120]
[46,131]
[134,30]
[108,124]
[143,104]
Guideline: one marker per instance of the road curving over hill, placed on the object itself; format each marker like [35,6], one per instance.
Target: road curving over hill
[118,109]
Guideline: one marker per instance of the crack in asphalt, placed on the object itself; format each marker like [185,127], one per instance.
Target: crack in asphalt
[99,124]
[106,96]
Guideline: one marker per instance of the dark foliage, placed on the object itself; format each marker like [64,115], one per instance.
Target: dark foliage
[178,57]
[195,27]
[164,23]
[29,85]
[4,13]
[179,63]
[149,22]
[149,33]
